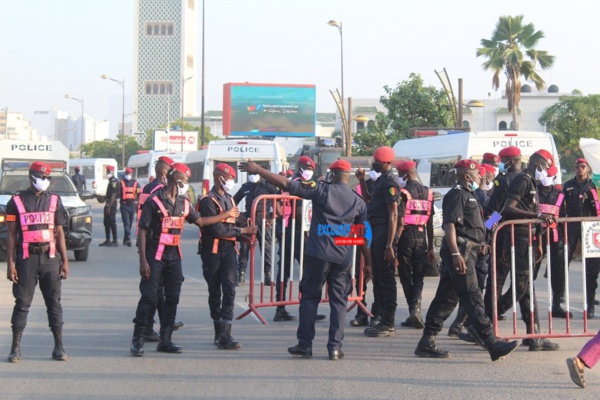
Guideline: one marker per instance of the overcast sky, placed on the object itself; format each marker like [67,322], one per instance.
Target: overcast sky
[50,48]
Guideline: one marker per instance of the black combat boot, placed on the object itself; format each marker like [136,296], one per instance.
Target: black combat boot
[361,319]
[415,315]
[459,322]
[217,325]
[428,348]
[281,314]
[408,322]
[58,353]
[15,349]
[165,345]
[591,303]
[137,341]
[542,344]
[226,342]
[149,334]
[557,310]
[386,328]
[499,348]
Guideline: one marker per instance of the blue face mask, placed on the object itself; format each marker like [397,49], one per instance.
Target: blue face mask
[474,186]
[502,167]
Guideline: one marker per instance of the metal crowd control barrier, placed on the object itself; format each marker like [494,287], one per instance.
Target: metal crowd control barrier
[261,295]
[552,332]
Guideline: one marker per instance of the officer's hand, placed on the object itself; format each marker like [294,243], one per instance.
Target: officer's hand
[360,174]
[248,240]
[459,265]
[368,272]
[249,166]
[64,270]
[539,254]
[548,218]
[249,230]
[11,273]
[390,256]
[234,212]
[144,270]
[430,256]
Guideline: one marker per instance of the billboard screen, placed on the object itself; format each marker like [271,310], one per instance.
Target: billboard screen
[257,109]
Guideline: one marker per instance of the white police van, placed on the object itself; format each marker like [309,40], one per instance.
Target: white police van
[94,172]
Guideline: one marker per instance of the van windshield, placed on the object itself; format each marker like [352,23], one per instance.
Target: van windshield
[14,181]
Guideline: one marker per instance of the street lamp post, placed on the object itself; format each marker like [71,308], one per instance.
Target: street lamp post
[122,83]
[183,81]
[338,25]
[202,90]
[80,101]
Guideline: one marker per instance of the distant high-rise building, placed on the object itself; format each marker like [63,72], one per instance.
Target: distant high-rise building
[165,57]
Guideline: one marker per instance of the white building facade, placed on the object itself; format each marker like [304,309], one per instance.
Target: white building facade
[13,125]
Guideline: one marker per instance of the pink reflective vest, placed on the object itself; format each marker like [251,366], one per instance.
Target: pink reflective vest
[142,200]
[128,192]
[553,209]
[28,219]
[228,220]
[167,238]
[415,209]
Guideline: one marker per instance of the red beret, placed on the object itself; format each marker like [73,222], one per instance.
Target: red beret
[510,151]
[491,157]
[40,167]
[384,154]
[552,171]
[341,164]
[225,168]
[110,168]
[489,169]
[406,165]
[546,156]
[581,161]
[289,173]
[184,169]
[128,170]
[307,161]
[482,170]
[77,169]
[467,164]
[168,160]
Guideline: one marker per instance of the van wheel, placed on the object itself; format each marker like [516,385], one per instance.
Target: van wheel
[101,199]
[2,254]
[82,255]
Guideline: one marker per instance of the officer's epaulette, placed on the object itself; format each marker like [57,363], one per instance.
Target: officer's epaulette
[308,184]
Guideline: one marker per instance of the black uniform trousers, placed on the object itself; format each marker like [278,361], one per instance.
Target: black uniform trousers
[281,288]
[45,270]
[592,265]
[502,268]
[557,266]
[384,280]
[219,270]
[110,221]
[169,270]
[265,247]
[128,210]
[412,256]
[339,285]
[452,288]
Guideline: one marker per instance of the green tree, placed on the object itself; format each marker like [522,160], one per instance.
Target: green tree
[572,118]
[112,148]
[375,135]
[412,105]
[511,51]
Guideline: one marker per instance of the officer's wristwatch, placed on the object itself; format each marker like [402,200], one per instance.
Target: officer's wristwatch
[387,247]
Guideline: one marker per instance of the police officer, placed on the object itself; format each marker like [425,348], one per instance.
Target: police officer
[160,226]
[130,191]
[509,167]
[78,180]
[35,220]
[304,172]
[334,204]
[522,203]
[415,246]
[251,190]
[110,208]
[383,218]
[551,202]
[464,230]
[218,253]
[493,160]
[581,199]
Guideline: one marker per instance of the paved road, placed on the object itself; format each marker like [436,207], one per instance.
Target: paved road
[99,301]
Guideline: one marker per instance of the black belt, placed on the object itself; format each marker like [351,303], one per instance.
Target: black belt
[38,249]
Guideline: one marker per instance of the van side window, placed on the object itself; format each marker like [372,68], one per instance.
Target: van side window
[440,173]
[197,169]
[142,172]
[88,172]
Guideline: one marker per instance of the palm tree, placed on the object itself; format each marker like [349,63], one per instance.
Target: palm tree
[512,50]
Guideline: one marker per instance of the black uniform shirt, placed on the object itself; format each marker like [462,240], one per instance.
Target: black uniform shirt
[482,197]
[151,218]
[498,196]
[251,191]
[208,208]
[385,191]
[334,205]
[579,199]
[461,208]
[78,181]
[150,186]
[523,189]
[112,188]
[129,183]
[33,203]
[549,195]
[417,192]
[298,177]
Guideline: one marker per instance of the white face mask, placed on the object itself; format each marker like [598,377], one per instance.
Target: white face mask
[539,175]
[489,185]
[402,181]
[254,178]
[108,176]
[127,177]
[374,175]
[496,171]
[306,174]
[41,184]
[547,181]
[182,191]
[227,185]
